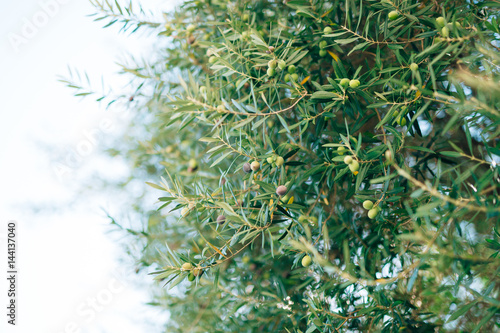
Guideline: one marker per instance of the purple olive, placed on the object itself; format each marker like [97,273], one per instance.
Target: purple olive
[247,167]
[281,190]
[221,219]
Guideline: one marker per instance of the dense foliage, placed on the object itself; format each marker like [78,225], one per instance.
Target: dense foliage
[321,166]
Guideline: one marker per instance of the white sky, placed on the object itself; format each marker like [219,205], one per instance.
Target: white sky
[66,257]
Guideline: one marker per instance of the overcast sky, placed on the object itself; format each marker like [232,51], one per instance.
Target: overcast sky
[71,277]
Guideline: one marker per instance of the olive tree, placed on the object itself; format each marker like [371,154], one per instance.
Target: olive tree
[320,166]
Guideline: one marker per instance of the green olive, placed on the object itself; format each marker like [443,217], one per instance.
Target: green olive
[348,159]
[272,64]
[186,266]
[323,44]
[354,83]
[440,21]
[212,59]
[341,150]
[327,30]
[413,67]
[282,64]
[388,155]
[354,166]
[393,15]
[344,82]
[291,69]
[306,261]
[294,77]
[322,53]
[372,213]
[271,71]
[367,204]
[280,161]
[445,32]
[191,277]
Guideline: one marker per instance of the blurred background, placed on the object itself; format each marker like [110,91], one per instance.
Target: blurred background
[73,273]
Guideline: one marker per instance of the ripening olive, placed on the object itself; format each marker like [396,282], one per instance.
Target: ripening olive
[281,190]
[221,219]
[192,163]
[255,166]
[247,168]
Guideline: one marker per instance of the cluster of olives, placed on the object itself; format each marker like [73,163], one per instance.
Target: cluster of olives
[322,46]
[445,28]
[400,118]
[291,76]
[249,167]
[193,272]
[275,161]
[352,163]
[274,65]
[313,220]
[372,210]
[351,83]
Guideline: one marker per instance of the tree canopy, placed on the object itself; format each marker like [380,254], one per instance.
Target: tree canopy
[321,166]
